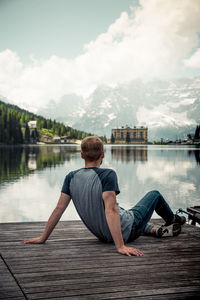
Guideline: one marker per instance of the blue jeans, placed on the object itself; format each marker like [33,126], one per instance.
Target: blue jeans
[143,211]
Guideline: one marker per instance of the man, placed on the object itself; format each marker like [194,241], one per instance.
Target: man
[93,191]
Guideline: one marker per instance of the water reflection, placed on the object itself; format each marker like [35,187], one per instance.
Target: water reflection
[20,161]
[196,154]
[174,171]
[127,154]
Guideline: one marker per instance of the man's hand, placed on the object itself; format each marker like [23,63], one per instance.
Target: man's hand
[37,240]
[129,251]
[113,220]
[62,204]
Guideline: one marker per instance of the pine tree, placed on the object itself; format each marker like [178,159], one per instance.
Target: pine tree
[112,139]
[197,132]
[27,134]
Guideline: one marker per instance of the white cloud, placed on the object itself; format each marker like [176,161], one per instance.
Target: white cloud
[10,70]
[152,41]
[193,61]
[162,116]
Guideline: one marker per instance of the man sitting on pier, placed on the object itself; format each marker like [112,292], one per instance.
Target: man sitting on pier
[93,191]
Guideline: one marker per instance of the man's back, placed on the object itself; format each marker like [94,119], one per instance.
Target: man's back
[86,186]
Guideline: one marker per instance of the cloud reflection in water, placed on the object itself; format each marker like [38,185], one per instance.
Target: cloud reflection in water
[32,196]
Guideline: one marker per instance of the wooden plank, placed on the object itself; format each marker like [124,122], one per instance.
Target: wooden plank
[106,284]
[103,281]
[152,276]
[73,258]
[130,294]
[132,290]
[6,232]
[185,274]
[73,264]
[109,257]
[93,254]
[8,286]
[65,225]
[58,238]
[62,264]
[61,224]
[174,296]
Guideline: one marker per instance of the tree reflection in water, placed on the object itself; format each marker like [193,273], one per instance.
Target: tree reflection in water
[22,160]
[196,154]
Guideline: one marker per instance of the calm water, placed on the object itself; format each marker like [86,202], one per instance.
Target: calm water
[31,177]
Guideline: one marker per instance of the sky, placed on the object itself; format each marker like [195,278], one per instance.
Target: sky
[50,48]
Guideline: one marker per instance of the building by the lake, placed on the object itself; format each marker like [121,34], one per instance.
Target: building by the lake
[32,124]
[126,134]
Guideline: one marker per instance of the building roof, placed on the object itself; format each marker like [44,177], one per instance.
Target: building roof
[32,122]
[128,127]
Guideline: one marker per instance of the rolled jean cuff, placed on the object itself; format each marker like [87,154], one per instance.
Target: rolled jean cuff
[148,229]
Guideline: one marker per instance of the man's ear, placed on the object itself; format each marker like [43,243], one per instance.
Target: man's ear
[82,156]
[102,155]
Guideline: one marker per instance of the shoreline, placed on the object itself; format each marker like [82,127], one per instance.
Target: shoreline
[110,144]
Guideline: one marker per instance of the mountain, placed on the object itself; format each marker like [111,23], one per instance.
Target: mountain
[14,127]
[170,109]
[65,110]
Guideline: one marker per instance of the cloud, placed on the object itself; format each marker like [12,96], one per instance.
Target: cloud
[152,41]
[162,116]
[193,61]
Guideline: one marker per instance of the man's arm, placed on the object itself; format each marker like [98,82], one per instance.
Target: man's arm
[113,220]
[62,204]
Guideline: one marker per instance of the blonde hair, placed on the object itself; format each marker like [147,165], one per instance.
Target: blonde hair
[92,148]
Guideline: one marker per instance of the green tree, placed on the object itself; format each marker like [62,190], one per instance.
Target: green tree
[112,139]
[197,133]
[44,124]
[27,134]
[105,139]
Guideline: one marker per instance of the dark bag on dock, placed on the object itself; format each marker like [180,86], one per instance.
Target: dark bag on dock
[193,214]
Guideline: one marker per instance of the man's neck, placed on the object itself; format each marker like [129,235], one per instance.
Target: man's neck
[92,164]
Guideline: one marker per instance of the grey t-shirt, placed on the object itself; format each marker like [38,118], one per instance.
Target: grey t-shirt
[85,186]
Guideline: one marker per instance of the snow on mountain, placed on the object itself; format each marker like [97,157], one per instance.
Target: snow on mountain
[170,109]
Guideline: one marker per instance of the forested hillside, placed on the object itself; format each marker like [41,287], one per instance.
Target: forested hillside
[14,126]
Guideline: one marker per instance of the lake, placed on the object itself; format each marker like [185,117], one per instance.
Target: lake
[31,177]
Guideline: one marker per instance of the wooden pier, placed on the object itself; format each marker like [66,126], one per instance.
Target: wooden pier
[73,264]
